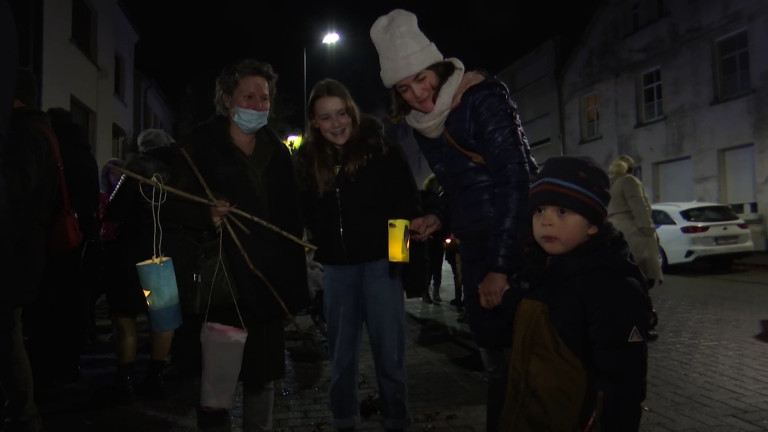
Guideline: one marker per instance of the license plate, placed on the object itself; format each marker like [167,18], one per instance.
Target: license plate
[726,240]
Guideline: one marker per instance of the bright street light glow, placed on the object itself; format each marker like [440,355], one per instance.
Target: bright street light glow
[330,38]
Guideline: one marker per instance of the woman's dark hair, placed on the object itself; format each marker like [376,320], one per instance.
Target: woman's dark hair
[322,157]
[230,77]
[399,108]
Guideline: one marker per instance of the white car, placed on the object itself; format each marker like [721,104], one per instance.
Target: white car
[698,231]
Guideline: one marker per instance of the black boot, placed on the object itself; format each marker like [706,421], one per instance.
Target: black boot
[436,294]
[153,386]
[210,419]
[653,321]
[124,389]
[425,296]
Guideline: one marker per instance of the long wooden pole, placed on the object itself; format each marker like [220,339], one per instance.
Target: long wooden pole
[211,203]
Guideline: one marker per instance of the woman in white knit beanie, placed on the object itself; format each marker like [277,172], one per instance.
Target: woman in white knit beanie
[469,131]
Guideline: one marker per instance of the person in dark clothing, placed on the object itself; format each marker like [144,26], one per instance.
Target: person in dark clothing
[432,192]
[8,68]
[580,269]
[31,175]
[140,215]
[245,164]
[468,128]
[353,182]
[55,350]
[452,247]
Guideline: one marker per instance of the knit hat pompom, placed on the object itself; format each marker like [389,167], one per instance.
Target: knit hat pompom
[403,49]
[575,183]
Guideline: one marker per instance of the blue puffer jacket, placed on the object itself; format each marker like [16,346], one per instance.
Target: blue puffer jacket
[485,201]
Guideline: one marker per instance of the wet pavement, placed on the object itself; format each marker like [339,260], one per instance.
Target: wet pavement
[707,371]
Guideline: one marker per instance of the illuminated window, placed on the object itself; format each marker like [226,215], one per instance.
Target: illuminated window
[590,117]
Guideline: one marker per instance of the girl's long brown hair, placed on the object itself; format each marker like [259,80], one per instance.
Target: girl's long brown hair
[322,157]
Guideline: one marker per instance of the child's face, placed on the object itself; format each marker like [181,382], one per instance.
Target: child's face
[559,230]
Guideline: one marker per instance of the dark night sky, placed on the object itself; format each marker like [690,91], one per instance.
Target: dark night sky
[184,48]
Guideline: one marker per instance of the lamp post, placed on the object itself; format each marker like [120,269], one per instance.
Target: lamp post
[329,39]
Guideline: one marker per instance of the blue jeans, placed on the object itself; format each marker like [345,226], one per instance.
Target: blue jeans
[353,295]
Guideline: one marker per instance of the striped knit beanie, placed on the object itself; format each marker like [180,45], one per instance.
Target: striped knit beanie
[575,183]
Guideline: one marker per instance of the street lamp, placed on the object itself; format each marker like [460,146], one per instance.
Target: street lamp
[329,39]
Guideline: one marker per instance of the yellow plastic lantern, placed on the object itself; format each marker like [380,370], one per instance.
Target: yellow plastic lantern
[399,240]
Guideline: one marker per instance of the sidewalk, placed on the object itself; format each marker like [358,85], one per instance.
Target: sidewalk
[446,386]
[757,259]
[445,382]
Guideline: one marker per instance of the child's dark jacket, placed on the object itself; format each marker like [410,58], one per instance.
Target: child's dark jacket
[596,301]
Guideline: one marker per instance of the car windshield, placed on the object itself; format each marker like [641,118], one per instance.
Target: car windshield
[709,214]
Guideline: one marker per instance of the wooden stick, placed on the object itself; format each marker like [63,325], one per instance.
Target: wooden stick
[211,203]
[261,275]
[238,223]
[240,247]
[208,190]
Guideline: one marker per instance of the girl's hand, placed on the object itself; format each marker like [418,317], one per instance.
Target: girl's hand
[422,227]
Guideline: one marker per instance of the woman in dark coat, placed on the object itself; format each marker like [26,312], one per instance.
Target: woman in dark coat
[468,128]
[246,165]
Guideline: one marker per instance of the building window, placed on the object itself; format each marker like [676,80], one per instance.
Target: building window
[642,13]
[652,106]
[119,78]
[590,116]
[149,117]
[119,142]
[84,27]
[83,116]
[634,16]
[733,65]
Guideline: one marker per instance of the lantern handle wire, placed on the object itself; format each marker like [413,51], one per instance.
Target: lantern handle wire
[220,263]
[158,198]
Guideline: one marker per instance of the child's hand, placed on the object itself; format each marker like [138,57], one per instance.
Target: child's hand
[491,289]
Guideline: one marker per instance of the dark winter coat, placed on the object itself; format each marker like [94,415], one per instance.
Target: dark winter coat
[81,172]
[484,200]
[349,223]
[31,176]
[597,301]
[138,236]
[269,193]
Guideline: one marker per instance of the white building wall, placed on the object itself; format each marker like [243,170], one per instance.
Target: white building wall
[532,82]
[67,71]
[124,37]
[696,124]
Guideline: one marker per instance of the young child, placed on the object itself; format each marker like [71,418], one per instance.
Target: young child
[579,354]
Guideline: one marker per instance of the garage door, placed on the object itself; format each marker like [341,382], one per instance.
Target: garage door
[674,181]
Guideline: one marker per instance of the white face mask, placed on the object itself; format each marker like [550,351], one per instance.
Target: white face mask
[250,121]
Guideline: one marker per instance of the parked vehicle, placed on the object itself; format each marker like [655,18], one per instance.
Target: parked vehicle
[699,231]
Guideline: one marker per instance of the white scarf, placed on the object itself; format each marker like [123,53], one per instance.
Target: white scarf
[432,124]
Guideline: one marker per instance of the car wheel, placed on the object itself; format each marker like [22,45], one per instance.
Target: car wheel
[663,261]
